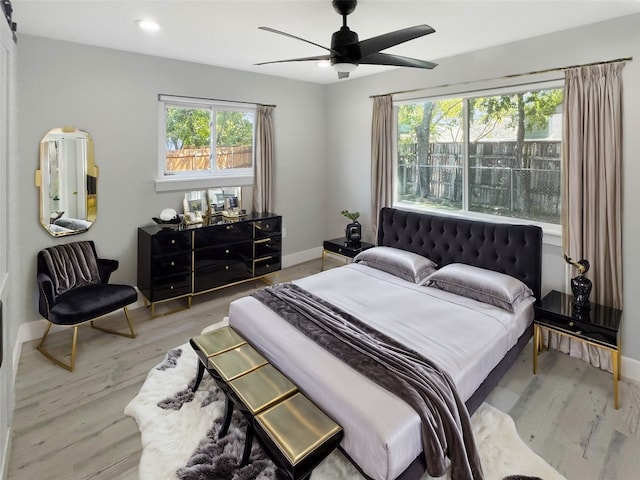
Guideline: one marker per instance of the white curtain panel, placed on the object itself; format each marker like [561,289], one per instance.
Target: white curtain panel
[265,156]
[592,197]
[382,141]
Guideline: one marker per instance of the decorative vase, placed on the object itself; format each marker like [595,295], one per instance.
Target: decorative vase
[354,232]
[581,288]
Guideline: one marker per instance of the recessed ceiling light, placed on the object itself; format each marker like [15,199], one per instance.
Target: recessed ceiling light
[148,25]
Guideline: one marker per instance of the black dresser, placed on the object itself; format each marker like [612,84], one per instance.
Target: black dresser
[182,261]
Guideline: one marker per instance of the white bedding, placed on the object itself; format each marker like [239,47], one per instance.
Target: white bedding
[382,433]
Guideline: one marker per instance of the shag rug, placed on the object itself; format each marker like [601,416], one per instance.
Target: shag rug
[179,433]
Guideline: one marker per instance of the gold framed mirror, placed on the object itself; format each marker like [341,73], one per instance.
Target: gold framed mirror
[68,180]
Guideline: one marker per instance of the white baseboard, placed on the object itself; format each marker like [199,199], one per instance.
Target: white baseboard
[630,368]
[301,257]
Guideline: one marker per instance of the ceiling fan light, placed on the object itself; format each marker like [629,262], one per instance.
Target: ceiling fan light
[324,63]
[344,67]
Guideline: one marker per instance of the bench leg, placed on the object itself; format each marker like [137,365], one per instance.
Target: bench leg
[248,443]
[228,411]
[199,376]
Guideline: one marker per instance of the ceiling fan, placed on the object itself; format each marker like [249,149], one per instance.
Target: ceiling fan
[347,52]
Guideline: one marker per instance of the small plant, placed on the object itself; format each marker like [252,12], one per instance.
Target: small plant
[353,216]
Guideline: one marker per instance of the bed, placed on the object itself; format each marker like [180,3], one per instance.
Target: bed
[475,341]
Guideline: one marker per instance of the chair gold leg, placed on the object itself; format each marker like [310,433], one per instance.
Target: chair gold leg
[70,367]
[132,333]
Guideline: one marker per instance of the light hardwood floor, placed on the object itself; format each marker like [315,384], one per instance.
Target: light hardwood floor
[71,426]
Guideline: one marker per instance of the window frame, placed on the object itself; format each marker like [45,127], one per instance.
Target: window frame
[552,231]
[213,177]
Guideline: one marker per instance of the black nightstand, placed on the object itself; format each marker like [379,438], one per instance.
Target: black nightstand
[343,248]
[600,326]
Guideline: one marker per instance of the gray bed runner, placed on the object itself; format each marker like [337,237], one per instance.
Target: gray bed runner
[446,426]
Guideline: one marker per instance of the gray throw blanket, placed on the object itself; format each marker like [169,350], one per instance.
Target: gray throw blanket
[71,265]
[446,426]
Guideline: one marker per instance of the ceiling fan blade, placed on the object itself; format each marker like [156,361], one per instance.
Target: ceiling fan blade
[303,59]
[386,40]
[396,61]
[273,30]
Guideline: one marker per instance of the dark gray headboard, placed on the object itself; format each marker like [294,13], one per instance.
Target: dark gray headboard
[512,249]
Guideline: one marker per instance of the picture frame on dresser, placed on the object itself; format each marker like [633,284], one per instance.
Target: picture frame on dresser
[196,201]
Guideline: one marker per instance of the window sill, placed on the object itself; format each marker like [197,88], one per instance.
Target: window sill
[551,233]
[200,183]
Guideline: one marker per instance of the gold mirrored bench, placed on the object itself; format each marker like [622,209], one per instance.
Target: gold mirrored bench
[293,431]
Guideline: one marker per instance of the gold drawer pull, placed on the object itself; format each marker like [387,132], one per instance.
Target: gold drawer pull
[226,267]
[226,251]
[173,241]
[173,264]
[339,250]
[228,227]
[571,324]
[171,287]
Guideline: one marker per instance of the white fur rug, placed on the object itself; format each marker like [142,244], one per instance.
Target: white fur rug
[173,422]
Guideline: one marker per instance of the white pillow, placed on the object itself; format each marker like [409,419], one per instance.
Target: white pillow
[406,265]
[480,284]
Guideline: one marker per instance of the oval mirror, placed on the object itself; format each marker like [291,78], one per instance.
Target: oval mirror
[68,179]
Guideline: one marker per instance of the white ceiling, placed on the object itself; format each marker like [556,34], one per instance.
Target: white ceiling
[225,33]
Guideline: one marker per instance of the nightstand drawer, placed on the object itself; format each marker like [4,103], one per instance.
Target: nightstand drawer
[584,330]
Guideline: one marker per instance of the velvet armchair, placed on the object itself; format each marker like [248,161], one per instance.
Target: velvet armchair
[74,288]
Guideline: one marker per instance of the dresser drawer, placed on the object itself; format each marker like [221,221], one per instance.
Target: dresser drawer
[170,286]
[170,242]
[171,264]
[267,265]
[218,257]
[214,276]
[227,233]
[268,247]
[268,227]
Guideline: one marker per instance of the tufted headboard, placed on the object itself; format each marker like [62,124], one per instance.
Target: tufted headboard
[512,249]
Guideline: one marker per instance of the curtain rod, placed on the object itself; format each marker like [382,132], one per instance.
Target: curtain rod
[216,100]
[514,75]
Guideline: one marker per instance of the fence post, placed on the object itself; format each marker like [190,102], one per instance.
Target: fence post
[511,188]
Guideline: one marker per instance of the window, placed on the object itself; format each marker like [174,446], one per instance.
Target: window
[205,139]
[483,155]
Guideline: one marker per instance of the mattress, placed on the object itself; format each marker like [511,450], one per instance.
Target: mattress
[381,432]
